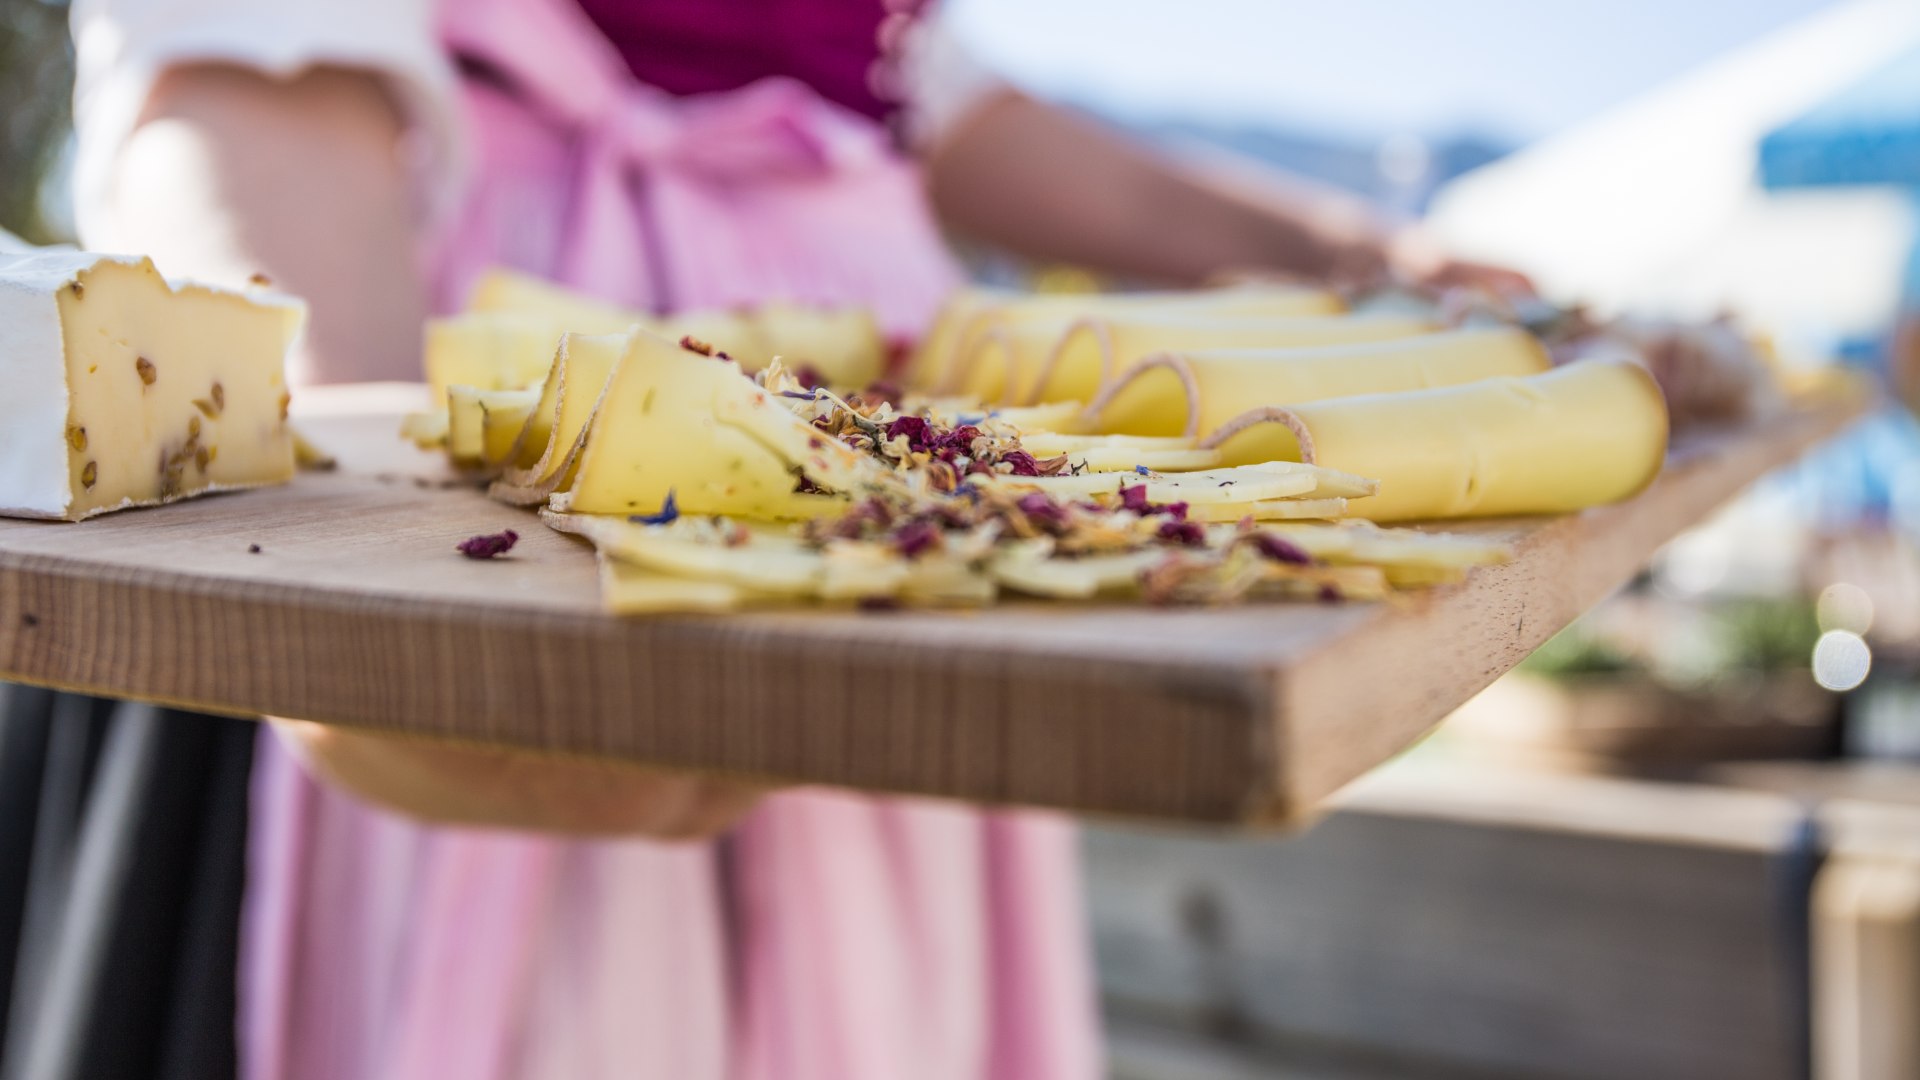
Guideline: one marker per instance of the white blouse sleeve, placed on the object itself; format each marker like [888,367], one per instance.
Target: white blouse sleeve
[941,79]
[122,46]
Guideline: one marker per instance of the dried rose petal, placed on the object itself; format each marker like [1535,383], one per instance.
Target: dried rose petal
[1330,594]
[1189,533]
[1135,499]
[915,538]
[913,427]
[1042,510]
[883,390]
[488,545]
[808,376]
[1023,463]
[1279,549]
[1175,510]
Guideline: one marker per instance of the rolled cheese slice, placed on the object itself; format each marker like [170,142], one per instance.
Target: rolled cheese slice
[1192,393]
[972,315]
[119,389]
[1072,361]
[1589,433]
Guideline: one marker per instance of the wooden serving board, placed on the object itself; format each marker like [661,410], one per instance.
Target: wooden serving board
[357,610]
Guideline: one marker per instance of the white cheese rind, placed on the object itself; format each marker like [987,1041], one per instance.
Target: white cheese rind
[33,381]
[68,320]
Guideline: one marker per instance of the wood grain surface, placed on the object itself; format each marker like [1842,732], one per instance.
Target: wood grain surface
[356,610]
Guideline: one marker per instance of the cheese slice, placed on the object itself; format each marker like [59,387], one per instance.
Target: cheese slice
[1589,433]
[994,346]
[1152,397]
[672,421]
[118,389]
[1073,359]
[843,344]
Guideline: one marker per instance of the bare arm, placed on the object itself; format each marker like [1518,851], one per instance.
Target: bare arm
[1042,181]
[232,173]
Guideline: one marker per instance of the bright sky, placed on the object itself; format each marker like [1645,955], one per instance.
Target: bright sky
[1363,69]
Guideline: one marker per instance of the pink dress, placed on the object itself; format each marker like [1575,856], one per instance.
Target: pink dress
[834,936]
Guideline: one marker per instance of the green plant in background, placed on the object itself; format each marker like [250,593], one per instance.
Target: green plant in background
[1696,644]
[36,90]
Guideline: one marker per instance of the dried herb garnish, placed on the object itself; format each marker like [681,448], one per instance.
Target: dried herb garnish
[488,545]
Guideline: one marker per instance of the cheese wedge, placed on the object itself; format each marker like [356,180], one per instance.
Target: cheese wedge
[1153,398]
[1592,432]
[674,422]
[118,389]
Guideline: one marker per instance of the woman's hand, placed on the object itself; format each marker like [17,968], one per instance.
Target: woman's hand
[450,784]
[1416,258]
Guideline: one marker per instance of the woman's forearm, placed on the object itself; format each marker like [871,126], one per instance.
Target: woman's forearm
[232,173]
[1051,185]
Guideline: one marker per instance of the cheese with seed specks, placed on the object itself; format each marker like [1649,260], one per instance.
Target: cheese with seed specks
[118,389]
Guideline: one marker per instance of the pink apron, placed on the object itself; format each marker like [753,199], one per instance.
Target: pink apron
[840,937]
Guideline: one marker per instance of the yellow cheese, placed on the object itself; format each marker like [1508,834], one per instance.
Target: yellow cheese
[484,425]
[1072,361]
[928,364]
[842,343]
[492,350]
[971,316]
[509,292]
[1153,399]
[674,421]
[547,450]
[118,389]
[1589,433]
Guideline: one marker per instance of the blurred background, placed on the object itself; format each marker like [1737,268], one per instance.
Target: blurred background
[1684,839]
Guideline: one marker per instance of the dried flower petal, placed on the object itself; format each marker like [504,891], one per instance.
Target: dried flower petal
[668,512]
[1279,549]
[883,390]
[915,538]
[808,377]
[1043,511]
[488,545]
[1189,533]
[1135,499]
[694,344]
[1023,463]
[914,428]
